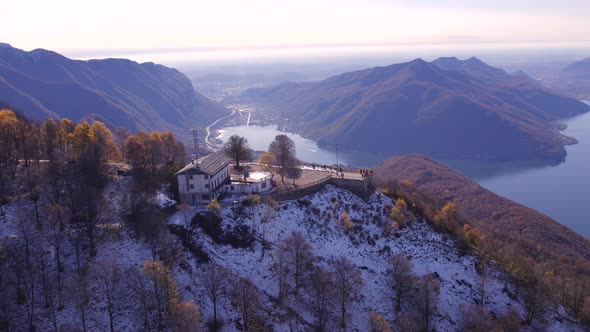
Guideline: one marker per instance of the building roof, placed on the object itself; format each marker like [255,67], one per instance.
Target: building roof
[210,164]
[254,177]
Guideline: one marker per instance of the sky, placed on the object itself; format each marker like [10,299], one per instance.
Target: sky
[89,28]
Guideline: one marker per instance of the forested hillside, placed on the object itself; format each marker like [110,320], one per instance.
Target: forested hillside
[447,108]
[118,92]
[91,238]
[550,261]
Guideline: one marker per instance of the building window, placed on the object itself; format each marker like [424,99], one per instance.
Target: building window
[190,177]
[263,185]
[205,197]
[206,176]
[206,186]
[192,186]
[232,187]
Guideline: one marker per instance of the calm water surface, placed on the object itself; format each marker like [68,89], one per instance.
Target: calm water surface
[561,191]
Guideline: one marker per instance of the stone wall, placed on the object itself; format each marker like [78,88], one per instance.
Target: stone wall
[357,187]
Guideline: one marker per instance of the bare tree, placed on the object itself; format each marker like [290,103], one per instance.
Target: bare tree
[57,217]
[27,235]
[475,318]
[43,269]
[186,211]
[214,281]
[138,285]
[109,282]
[77,291]
[121,135]
[32,182]
[237,148]
[348,283]
[536,301]
[8,293]
[283,151]
[409,321]
[320,296]
[299,256]
[30,285]
[280,268]
[402,278]
[93,208]
[246,298]
[293,173]
[77,239]
[427,298]
[164,291]
[482,282]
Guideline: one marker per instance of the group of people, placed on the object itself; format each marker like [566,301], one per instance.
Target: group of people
[366,172]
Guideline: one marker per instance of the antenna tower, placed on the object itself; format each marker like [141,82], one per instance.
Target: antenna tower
[196,143]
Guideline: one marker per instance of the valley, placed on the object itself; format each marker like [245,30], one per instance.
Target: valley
[521,181]
[295,166]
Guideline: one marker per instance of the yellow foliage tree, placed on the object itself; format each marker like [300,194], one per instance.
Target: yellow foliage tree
[445,218]
[397,216]
[81,140]
[165,291]
[185,316]
[345,221]
[214,206]
[378,323]
[471,234]
[266,160]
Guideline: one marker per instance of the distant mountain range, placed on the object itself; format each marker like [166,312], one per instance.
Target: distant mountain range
[573,80]
[120,92]
[579,69]
[447,108]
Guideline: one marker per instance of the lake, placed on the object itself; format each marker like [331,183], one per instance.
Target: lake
[561,191]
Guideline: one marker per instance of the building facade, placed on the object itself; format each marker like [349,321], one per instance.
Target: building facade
[254,183]
[203,180]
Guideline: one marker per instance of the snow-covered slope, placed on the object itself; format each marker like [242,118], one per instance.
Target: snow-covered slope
[316,217]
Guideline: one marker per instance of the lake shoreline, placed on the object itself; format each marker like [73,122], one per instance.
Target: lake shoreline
[557,189]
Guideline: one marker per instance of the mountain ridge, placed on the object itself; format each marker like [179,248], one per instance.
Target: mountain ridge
[472,110]
[122,92]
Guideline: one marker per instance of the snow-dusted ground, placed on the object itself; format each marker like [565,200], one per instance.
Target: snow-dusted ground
[429,251]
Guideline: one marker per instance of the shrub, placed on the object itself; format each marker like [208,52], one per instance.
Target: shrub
[345,222]
[211,225]
[240,236]
[251,200]
[304,202]
[214,206]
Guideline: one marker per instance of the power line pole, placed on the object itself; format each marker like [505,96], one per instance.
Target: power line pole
[196,143]
[337,159]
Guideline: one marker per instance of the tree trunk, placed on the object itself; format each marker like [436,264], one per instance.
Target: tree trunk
[343,317]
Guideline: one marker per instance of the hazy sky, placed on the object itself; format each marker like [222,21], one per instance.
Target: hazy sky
[110,27]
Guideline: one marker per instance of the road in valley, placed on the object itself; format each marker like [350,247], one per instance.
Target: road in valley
[210,144]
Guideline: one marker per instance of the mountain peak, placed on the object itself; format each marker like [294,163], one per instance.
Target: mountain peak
[475,60]
[5,45]
[417,61]
[41,53]
[420,66]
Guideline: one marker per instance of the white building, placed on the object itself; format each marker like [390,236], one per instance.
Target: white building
[254,183]
[204,179]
